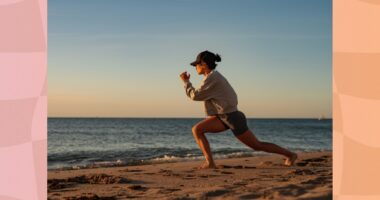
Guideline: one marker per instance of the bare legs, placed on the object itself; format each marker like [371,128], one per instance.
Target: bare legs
[208,125]
[249,139]
[214,125]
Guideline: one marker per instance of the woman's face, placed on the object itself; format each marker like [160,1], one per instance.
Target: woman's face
[201,68]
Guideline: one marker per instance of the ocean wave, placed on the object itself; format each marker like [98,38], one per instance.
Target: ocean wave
[166,158]
[193,157]
[161,159]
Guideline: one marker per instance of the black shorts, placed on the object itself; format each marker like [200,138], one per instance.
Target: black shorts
[236,121]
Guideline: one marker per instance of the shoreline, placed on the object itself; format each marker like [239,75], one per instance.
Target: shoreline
[174,159]
[254,177]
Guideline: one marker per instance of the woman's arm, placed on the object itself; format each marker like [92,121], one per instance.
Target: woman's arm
[204,92]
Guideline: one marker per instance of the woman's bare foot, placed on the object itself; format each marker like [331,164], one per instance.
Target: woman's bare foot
[291,160]
[207,165]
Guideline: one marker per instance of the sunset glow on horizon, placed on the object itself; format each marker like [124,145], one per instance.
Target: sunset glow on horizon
[123,59]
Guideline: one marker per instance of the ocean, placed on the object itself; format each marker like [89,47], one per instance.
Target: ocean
[95,142]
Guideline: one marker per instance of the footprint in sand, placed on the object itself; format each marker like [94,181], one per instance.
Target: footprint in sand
[301,172]
[288,190]
[207,175]
[322,170]
[168,190]
[215,193]
[316,159]
[59,184]
[165,172]
[171,174]
[319,180]
[240,183]
[302,164]
[235,167]
[149,173]
[137,187]
[189,176]
[135,170]
[250,196]
[98,179]
[315,162]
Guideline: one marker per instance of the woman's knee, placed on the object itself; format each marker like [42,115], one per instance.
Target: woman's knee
[197,131]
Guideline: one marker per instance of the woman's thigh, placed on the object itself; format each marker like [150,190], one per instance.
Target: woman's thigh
[249,139]
[210,125]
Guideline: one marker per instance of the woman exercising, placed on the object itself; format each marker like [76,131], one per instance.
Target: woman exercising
[220,102]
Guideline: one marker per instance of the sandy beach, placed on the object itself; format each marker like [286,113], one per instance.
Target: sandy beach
[258,177]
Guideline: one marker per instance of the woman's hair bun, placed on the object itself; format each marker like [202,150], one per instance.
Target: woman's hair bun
[217,58]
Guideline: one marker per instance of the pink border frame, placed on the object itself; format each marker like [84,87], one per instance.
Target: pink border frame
[23,99]
[356,99]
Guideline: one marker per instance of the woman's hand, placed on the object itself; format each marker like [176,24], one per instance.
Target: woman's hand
[184,76]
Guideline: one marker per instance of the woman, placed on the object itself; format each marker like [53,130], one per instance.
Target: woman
[220,101]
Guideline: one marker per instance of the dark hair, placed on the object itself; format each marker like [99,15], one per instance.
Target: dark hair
[210,59]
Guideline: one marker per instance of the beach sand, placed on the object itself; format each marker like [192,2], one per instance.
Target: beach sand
[258,177]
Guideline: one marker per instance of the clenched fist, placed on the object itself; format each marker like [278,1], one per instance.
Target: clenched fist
[185,76]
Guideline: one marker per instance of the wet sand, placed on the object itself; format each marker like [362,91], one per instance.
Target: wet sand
[258,177]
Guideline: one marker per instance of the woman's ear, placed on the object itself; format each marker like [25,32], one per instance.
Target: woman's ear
[204,65]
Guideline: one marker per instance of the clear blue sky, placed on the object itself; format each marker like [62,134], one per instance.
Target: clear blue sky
[122,58]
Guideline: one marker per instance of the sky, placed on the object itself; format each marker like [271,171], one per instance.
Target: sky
[122,58]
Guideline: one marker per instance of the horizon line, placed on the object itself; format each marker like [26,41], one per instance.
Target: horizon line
[73,117]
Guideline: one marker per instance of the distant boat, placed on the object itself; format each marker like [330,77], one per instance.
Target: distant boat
[321,117]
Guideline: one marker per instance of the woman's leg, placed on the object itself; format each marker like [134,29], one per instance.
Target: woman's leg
[209,125]
[249,139]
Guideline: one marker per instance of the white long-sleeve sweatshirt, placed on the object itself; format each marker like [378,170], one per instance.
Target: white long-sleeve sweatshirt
[218,95]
